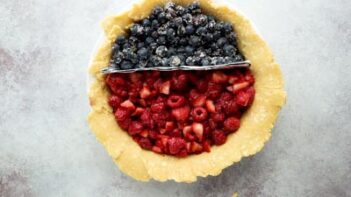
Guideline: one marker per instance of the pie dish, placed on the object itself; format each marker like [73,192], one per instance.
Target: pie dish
[256,123]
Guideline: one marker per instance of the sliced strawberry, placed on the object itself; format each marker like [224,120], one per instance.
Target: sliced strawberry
[175,145]
[157,106]
[144,133]
[138,111]
[240,86]
[199,114]
[145,92]
[165,87]
[156,149]
[198,129]
[231,124]
[249,77]
[206,146]
[232,79]
[142,102]
[175,101]
[187,129]
[210,106]
[199,101]
[219,77]
[214,90]
[181,114]
[114,101]
[219,137]
[128,105]
[196,147]
[162,130]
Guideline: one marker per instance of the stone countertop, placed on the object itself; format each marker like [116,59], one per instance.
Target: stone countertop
[47,149]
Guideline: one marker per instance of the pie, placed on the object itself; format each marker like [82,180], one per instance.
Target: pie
[191,138]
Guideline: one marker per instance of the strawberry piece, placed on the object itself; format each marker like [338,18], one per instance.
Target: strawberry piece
[201,85]
[188,147]
[182,153]
[210,106]
[156,149]
[219,137]
[158,106]
[175,145]
[231,124]
[180,83]
[196,147]
[114,101]
[175,101]
[214,90]
[219,77]
[145,92]
[199,114]
[115,80]
[193,94]
[240,86]
[175,133]
[187,129]
[135,127]
[144,133]
[245,98]
[181,114]
[232,109]
[146,119]
[249,77]
[232,79]
[199,101]
[145,143]
[198,129]
[165,87]
[122,113]
[142,102]
[138,111]
[128,105]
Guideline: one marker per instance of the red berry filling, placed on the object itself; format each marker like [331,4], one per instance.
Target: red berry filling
[180,113]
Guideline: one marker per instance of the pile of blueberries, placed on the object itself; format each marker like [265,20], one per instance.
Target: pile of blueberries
[174,35]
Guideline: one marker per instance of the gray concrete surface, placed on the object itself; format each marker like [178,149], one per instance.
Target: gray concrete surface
[46,148]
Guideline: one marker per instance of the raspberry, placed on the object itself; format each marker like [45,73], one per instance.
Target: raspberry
[214,90]
[218,117]
[128,105]
[135,127]
[180,83]
[199,114]
[122,113]
[199,101]
[231,124]
[158,106]
[219,137]
[182,153]
[201,85]
[219,77]
[245,98]
[193,94]
[124,124]
[175,145]
[175,101]
[114,101]
[145,143]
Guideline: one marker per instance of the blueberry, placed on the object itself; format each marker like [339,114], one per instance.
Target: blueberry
[227,27]
[221,42]
[211,25]
[170,6]
[156,60]
[175,41]
[170,16]
[161,40]
[219,26]
[149,40]
[190,61]
[208,51]
[146,22]
[170,33]
[141,64]
[143,53]
[201,31]
[180,10]
[200,53]
[157,10]
[137,30]
[205,61]
[140,45]
[171,51]
[116,47]
[182,59]
[154,34]
[154,24]
[229,50]
[188,19]
[231,37]
[189,50]
[200,20]
[178,21]
[126,65]
[189,29]
[161,51]
[208,37]
[174,61]
[239,58]
[118,57]
[217,35]
[121,40]
[183,41]
[220,60]
[165,62]
[195,8]
[153,46]
[181,50]
[162,17]
[195,41]
[181,30]
[114,65]
[147,31]
[133,40]
[162,30]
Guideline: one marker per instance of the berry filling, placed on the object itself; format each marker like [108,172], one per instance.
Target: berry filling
[179,113]
[167,120]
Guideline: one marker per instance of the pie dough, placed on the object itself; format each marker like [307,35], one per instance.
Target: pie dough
[256,124]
